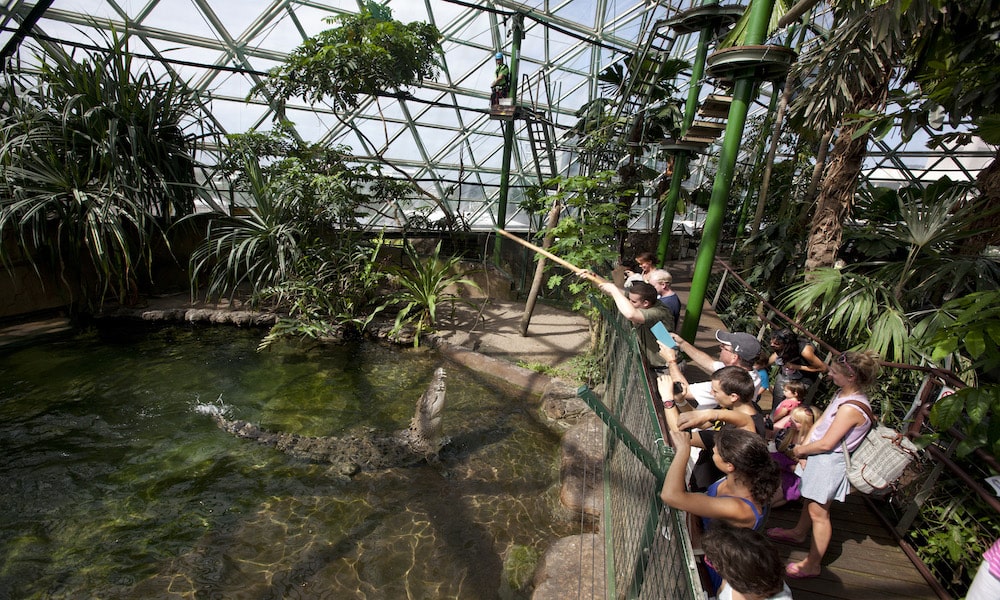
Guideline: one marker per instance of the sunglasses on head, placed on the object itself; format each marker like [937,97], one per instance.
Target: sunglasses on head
[842,359]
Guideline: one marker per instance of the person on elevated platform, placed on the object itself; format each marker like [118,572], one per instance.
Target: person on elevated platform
[740,498]
[632,273]
[733,390]
[661,280]
[735,349]
[500,88]
[647,263]
[748,563]
[641,308]
[796,360]
[794,394]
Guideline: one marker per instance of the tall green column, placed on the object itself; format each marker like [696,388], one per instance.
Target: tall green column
[681,158]
[508,135]
[670,205]
[743,90]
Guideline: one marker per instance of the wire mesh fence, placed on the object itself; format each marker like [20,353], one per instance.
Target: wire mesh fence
[647,545]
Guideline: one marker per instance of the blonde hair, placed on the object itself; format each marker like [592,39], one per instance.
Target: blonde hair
[806,417]
[661,275]
[863,366]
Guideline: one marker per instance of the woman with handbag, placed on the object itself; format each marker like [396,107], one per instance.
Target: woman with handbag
[824,478]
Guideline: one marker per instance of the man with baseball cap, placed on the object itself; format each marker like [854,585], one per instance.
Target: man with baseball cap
[736,349]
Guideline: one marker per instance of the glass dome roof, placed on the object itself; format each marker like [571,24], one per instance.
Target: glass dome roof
[441,133]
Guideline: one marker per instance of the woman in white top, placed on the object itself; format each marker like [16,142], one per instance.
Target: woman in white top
[824,478]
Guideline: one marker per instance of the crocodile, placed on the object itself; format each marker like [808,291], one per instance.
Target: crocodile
[354,452]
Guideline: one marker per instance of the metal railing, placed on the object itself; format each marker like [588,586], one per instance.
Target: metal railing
[647,546]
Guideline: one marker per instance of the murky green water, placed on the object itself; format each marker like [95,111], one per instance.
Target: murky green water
[112,486]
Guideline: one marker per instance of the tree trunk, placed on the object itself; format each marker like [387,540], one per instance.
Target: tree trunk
[835,199]
[536,283]
[988,183]
[765,184]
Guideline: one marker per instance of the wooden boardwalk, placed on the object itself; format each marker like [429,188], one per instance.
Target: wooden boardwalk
[863,561]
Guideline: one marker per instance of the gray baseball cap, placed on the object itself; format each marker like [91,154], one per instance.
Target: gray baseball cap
[744,345]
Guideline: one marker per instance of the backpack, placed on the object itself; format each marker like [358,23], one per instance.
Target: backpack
[879,461]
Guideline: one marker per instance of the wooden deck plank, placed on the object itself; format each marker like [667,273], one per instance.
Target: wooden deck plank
[863,560]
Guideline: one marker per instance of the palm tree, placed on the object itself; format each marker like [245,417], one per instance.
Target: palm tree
[891,303]
[848,72]
[958,68]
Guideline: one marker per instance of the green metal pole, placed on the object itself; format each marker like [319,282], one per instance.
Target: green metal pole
[670,205]
[681,160]
[508,136]
[743,89]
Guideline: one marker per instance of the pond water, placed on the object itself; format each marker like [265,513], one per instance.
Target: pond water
[113,486]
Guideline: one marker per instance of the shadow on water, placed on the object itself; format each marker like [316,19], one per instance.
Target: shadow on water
[118,489]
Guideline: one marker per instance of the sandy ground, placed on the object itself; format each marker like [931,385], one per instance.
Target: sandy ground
[554,336]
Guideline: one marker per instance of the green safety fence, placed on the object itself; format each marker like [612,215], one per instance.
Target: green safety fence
[647,547]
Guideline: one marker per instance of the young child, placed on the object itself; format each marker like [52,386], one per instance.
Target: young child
[795,393]
[760,365]
[801,421]
[748,562]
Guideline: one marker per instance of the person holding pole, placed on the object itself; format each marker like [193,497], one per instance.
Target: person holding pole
[643,309]
[641,306]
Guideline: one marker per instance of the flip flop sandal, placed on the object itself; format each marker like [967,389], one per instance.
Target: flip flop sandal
[792,571]
[781,535]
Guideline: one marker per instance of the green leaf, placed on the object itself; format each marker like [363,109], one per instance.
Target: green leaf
[974,343]
[948,410]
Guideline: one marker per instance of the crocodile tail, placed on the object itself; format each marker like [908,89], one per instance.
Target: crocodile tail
[246,430]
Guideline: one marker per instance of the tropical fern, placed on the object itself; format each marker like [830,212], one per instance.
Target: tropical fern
[423,289]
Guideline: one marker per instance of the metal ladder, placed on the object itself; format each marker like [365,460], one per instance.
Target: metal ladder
[643,70]
[540,129]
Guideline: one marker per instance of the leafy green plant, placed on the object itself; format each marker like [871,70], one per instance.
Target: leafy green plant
[949,535]
[297,249]
[972,329]
[587,233]
[260,248]
[366,54]
[96,160]
[423,288]
[332,299]
[889,305]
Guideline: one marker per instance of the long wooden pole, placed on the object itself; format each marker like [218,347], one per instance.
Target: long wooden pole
[586,274]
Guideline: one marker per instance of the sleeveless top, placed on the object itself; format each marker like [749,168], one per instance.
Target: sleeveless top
[855,435]
[704,471]
[713,492]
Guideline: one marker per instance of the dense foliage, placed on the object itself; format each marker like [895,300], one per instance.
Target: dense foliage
[297,245]
[96,159]
[368,53]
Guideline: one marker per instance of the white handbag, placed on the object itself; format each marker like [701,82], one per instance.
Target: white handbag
[880,460]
